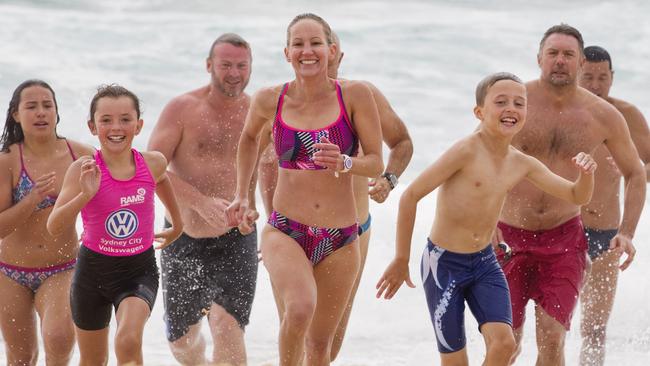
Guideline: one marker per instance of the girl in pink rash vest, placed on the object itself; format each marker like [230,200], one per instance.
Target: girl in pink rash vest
[116,265]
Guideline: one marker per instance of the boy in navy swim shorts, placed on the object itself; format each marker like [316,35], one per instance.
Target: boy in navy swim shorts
[459,264]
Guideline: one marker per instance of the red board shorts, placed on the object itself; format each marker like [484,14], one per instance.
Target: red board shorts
[546,266]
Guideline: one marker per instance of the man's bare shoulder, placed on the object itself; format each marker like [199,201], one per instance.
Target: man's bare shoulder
[628,109]
[188,100]
[600,108]
[183,108]
[356,87]
[379,97]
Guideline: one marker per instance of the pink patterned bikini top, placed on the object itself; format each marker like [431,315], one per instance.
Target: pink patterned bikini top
[25,182]
[295,147]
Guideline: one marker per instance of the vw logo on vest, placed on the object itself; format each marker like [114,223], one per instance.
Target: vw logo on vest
[122,224]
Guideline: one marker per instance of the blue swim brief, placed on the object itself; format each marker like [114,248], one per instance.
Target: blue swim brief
[598,241]
[365,226]
[449,279]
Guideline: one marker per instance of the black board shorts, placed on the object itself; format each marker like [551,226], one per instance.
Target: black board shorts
[199,272]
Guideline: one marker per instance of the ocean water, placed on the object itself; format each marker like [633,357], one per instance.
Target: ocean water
[426,56]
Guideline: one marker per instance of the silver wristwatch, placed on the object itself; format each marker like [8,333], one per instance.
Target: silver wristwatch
[347,163]
[391,178]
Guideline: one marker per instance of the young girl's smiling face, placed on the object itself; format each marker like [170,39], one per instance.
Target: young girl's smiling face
[115,122]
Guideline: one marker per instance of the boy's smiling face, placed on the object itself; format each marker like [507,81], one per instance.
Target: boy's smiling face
[504,108]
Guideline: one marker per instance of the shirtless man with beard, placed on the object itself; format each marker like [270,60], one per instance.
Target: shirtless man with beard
[546,234]
[212,268]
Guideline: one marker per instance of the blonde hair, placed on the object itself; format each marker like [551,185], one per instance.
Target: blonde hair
[487,82]
[326,27]
[232,39]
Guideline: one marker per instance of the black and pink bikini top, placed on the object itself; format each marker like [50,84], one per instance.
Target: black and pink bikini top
[295,147]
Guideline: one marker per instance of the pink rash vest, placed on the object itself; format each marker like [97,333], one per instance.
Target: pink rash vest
[119,219]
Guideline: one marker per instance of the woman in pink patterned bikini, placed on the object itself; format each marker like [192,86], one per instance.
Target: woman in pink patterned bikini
[310,246]
[34,265]
[116,267]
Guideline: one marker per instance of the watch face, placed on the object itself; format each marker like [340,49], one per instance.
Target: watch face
[391,178]
[347,163]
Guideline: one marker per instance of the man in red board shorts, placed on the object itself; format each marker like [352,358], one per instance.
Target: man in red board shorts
[545,233]
[547,268]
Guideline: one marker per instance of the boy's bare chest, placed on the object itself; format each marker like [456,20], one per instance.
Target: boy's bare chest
[487,178]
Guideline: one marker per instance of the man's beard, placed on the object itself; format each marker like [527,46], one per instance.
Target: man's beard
[232,91]
[566,79]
